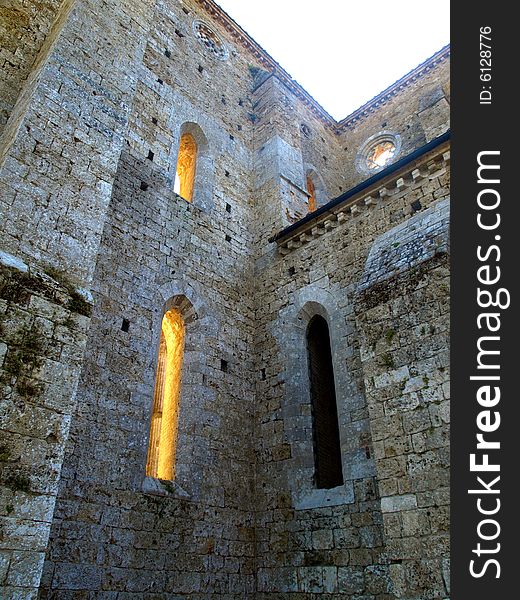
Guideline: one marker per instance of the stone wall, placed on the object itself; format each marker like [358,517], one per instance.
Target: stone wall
[43,320]
[114,529]
[87,190]
[417,111]
[391,360]
[25,26]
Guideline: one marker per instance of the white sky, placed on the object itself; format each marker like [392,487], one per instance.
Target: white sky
[344,52]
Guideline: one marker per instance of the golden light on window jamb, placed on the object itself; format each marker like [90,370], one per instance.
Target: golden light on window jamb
[186,167]
[165,413]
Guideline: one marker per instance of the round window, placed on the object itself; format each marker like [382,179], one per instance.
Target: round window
[378,152]
[210,39]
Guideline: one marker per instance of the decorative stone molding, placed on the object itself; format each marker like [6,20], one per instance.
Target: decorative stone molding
[395,186]
[242,38]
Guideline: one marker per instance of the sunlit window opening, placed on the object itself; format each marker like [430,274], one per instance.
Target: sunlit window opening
[311,189]
[186,167]
[165,413]
[380,155]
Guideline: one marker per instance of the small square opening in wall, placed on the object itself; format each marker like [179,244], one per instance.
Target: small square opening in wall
[224,365]
[154,120]
[262,374]
[231,137]
[416,206]
[228,207]
[125,326]
[167,53]
[292,270]
[228,238]
[144,186]
[150,155]
[200,68]
[159,81]
[226,173]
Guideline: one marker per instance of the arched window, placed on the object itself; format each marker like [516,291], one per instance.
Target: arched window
[316,188]
[312,193]
[327,450]
[165,412]
[186,167]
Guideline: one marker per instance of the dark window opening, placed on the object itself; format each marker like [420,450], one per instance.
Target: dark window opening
[144,186]
[327,449]
[160,81]
[228,207]
[150,155]
[167,53]
[201,68]
[125,325]
[154,120]
[224,365]
[228,238]
[262,374]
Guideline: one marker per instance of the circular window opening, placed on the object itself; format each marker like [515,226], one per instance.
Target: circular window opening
[378,152]
[210,39]
[306,130]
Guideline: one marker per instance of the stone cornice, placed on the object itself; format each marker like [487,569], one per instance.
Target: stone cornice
[410,78]
[428,166]
[268,62]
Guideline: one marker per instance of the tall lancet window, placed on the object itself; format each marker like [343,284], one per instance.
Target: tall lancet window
[165,412]
[186,167]
[311,189]
[327,449]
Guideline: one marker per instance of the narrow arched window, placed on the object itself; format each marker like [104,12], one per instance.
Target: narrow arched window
[327,449]
[186,167]
[311,189]
[165,411]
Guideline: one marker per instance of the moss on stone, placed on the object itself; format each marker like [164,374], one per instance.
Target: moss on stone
[18,482]
[79,305]
[387,360]
[5,453]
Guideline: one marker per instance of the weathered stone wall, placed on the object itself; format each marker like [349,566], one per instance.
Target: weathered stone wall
[418,113]
[347,541]
[86,187]
[112,531]
[25,25]
[59,155]
[43,321]
[402,312]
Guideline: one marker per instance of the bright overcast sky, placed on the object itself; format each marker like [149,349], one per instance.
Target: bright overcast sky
[344,52]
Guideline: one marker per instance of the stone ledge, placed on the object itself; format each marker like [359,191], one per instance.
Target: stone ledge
[158,487]
[397,185]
